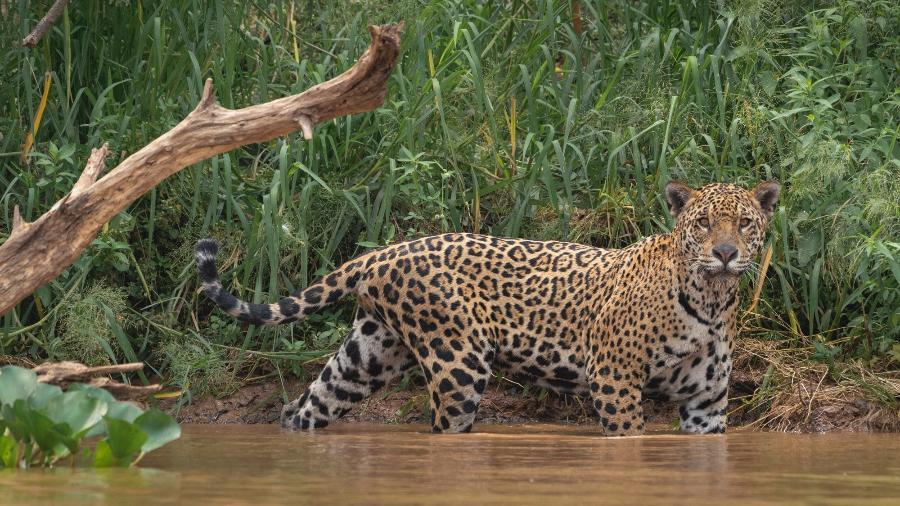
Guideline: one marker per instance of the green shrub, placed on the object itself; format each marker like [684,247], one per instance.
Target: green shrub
[86,335]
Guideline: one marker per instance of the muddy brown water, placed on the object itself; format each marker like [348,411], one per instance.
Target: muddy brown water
[357,463]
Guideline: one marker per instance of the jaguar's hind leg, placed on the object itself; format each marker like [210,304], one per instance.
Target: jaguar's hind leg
[370,357]
[456,381]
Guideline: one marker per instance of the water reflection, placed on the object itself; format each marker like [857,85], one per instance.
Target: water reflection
[74,485]
[370,464]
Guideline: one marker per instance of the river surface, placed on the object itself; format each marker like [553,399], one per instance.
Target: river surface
[357,463]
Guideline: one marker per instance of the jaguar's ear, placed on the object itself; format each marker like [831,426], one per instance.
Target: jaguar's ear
[766,195]
[677,195]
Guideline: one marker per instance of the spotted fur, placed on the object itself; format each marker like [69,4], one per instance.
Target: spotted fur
[656,319]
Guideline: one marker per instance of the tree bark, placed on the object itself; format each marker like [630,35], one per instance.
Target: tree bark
[45,23]
[37,252]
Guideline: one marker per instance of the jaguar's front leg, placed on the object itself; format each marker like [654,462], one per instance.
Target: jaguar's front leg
[616,396]
[704,412]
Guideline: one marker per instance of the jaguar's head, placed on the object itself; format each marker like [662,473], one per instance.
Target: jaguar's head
[720,227]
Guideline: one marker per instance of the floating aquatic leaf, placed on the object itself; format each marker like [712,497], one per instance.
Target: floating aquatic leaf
[53,439]
[93,391]
[119,410]
[78,410]
[159,427]
[40,424]
[43,394]
[103,456]
[123,411]
[8,450]
[16,383]
[124,439]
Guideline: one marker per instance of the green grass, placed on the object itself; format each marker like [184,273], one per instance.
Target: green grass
[479,133]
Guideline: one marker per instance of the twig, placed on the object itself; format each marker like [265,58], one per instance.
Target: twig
[813,396]
[45,23]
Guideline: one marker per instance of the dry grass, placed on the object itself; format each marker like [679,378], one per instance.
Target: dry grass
[17,360]
[774,388]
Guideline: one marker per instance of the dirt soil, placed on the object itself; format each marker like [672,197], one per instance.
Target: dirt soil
[503,402]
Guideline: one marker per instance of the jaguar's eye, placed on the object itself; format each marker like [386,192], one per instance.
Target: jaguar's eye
[745,222]
[703,222]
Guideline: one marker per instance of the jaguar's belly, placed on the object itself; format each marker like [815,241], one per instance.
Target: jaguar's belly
[555,364]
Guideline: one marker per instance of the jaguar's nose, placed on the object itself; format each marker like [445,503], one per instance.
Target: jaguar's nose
[725,253]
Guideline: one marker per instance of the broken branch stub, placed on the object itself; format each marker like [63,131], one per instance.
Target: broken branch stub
[64,374]
[37,252]
[45,23]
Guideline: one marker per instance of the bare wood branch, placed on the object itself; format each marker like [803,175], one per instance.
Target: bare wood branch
[95,165]
[18,223]
[45,23]
[209,96]
[56,373]
[306,125]
[122,391]
[64,374]
[52,242]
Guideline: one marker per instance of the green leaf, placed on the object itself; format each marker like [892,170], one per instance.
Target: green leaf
[16,383]
[114,409]
[66,151]
[159,427]
[124,439]
[43,394]
[78,410]
[120,411]
[97,393]
[103,456]
[8,451]
[123,411]
[54,439]
[11,421]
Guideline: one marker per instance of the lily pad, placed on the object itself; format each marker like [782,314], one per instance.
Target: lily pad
[93,391]
[45,424]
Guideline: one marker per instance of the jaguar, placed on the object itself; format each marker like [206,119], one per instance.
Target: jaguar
[657,319]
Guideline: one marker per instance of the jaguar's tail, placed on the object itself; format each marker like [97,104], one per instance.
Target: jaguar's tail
[323,293]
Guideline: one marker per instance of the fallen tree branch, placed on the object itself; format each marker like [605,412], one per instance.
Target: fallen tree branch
[45,23]
[64,374]
[37,252]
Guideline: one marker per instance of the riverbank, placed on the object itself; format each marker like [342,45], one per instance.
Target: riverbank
[771,389]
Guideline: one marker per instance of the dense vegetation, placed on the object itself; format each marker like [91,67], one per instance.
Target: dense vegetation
[512,118]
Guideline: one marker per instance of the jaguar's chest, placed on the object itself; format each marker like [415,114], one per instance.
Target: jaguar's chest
[696,351]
